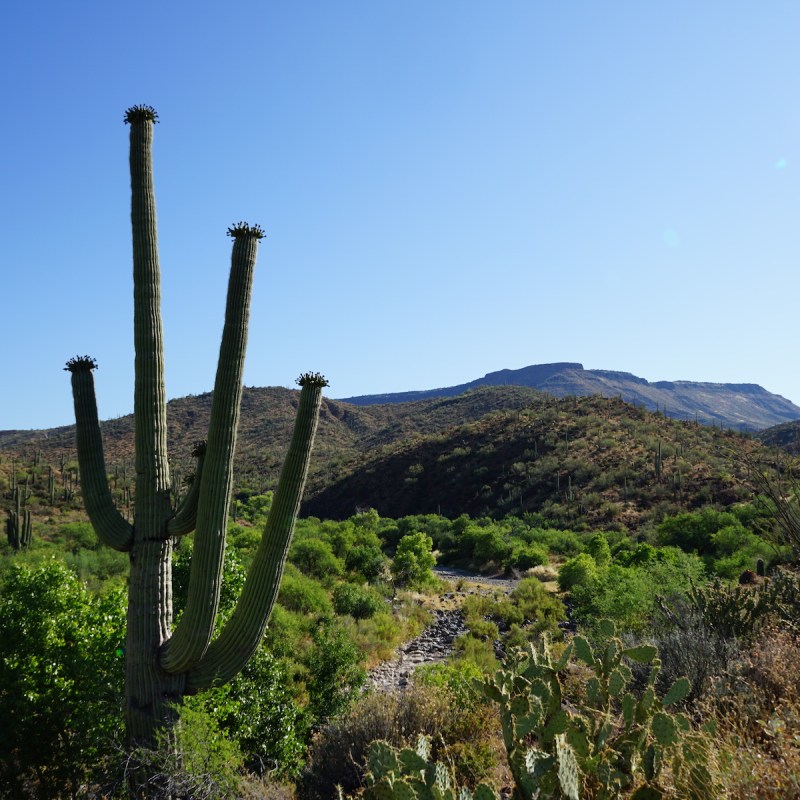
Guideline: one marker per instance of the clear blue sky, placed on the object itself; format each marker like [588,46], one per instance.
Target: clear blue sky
[448,188]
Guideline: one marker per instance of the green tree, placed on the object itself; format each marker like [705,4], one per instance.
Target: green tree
[335,673]
[258,713]
[413,560]
[315,557]
[61,675]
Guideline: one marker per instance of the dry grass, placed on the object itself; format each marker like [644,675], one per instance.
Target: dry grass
[466,738]
[757,706]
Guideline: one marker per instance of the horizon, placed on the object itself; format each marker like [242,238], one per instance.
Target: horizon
[447,191]
[407,391]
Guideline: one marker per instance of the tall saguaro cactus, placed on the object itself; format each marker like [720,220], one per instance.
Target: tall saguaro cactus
[162,664]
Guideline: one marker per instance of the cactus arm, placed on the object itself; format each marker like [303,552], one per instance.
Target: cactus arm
[149,400]
[185,517]
[193,634]
[242,634]
[111,527]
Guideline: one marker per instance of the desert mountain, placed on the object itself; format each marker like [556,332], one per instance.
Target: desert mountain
[742,406]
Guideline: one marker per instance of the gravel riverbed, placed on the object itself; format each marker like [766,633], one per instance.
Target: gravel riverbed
[435,643]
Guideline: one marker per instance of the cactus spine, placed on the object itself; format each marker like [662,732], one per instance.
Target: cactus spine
[163,665]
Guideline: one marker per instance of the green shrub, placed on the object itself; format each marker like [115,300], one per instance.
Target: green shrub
[599,549]
[580,570]
[61,676]
[335,672]
[541,610]
[357,601]
[413,560]
[303,595]
[491,549]
[628,595]
[367,560]
[257,712]
[526,556]
[77,535]
[477,651]
[564,543]
[315,557]
[287,632]
[458,729]
[200,764]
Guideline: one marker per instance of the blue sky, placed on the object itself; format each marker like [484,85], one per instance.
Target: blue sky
[448,189]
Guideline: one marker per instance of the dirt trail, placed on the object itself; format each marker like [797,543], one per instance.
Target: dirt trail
[435,643]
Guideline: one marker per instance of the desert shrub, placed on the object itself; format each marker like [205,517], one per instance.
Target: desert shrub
[490,549]
[335,675]
[695,651]
[201,764]
[390,534]
[527,556]
[580,570]
[244,539]
[378,636]
[622,594]
[366,559]
[637,556]
[599,549]
[627,595]
[341,535]
[358,601]
[287,632]
[458,734]
[96,567]
[315,557]
[457,679]
[303,595]
[563,543]
[757,705]
[720,537]
[337,753]
[76,536]
[254,509]
[540,609]
[258,714]
[233,577]
[61,676]
[477,651]
[693,531]
[413,560]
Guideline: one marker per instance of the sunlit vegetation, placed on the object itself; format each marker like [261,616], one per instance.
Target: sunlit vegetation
[695,567]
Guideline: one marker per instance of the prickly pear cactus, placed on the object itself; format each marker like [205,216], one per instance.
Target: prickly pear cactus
[611,741]
[409,774]
[528,692]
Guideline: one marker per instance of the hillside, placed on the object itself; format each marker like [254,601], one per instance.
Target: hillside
[345,432]
[580,461]
[785,436]
[742,406]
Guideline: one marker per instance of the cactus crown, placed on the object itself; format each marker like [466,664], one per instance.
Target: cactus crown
[245,229]
[312,379]
[140,114]
[199,449]
[78,363]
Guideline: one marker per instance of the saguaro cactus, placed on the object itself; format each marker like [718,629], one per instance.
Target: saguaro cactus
[18,524]
[162,664]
